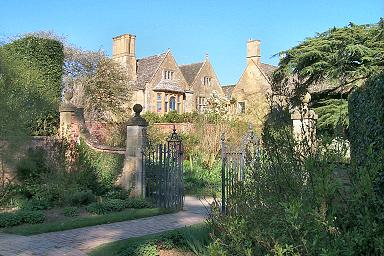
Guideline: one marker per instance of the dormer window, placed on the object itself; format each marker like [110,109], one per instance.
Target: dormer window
[207,81]
[168,74]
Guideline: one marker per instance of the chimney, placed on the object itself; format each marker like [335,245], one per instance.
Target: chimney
[253,51]
[124,52]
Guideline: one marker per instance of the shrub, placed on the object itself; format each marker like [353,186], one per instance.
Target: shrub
[71,211]
[366,128]
[32,166]
[82,198]
[137,203]
[35,205]
[31,217]
[117,193]
[9,219]
[105,167]
[110,205]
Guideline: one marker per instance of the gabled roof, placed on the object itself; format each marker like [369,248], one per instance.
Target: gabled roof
[190,71]
[268,69]
[146,68]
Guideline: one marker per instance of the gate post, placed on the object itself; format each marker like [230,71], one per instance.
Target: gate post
[133,176]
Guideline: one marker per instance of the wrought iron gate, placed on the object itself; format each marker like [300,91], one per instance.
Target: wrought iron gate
[163,172]
[234,168]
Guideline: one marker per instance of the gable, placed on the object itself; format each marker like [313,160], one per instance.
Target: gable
[147,67]
[190,71]
[206,90]
[177,84]
[254,79]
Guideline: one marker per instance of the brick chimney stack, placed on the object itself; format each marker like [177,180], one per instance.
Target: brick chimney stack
[124,52]
[253,51]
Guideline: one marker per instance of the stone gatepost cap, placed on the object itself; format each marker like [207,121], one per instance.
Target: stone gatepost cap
[67,106]
[137,119]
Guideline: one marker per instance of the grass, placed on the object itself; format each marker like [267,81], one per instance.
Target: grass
[78,222]
[194,238]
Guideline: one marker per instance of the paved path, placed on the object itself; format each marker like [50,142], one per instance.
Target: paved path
[81,240]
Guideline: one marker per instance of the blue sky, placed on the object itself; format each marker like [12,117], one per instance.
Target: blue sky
[188,28]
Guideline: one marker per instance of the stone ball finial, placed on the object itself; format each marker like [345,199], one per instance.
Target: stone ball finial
[306,98]
[68,95]
[137,108]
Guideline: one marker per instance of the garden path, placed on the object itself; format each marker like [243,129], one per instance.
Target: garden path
[82,240]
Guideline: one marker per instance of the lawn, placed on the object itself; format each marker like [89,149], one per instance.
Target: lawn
[78,222]
[184,241]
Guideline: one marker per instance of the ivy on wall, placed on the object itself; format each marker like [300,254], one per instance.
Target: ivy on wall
[105,167]
[366,121]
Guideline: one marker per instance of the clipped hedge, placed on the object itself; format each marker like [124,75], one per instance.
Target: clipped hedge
[39,69]
[366,121]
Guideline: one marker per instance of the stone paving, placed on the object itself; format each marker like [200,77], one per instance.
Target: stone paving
[82,240]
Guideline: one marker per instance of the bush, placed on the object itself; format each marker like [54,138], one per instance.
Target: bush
[35,205]
[117,193]
[366,128]
[71,211]
[107,206]
[105,167]
[82,198]
[137,203]
[32,166]
[9,219]
[31,217]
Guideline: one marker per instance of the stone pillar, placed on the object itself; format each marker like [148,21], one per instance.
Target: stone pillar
[304,125]
[69,127]
[132,177]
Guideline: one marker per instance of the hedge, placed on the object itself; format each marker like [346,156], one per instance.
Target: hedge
[366,117]
[39,64]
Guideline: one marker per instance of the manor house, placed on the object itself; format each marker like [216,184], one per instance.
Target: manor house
[160,84]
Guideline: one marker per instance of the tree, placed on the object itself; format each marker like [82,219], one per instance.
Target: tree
[341,58]
[347,56]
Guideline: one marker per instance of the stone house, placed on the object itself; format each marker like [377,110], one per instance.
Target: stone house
[250,96]
[160,85]
[202,79]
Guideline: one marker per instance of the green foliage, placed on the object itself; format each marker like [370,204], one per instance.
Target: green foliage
[104,166]
[9,219]
[32,166]
[117,205]
[296,201]
[71,211]
[35,204]
[194,239]
[82,198]
[345,55]
[32,217]
[366,117]
[78,222]
[333,115]
[33,68]
[201,180]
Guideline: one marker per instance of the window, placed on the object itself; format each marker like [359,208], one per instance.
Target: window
[207,81]
[201,104]
[172,103]
[159,102]
[168,75]
[241,107]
